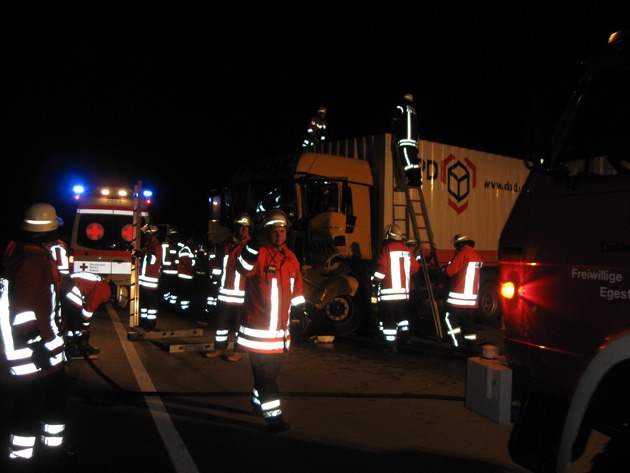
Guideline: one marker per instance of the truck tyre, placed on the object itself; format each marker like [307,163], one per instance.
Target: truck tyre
[338,317]
[489,310]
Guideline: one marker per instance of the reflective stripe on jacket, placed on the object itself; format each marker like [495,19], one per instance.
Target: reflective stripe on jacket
[394,266]
[29,315]
[464,271]
[273,286]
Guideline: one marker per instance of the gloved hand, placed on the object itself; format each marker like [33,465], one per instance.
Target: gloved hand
[257,240]
[137,253]
[376,291]
[41,355]
[67,283]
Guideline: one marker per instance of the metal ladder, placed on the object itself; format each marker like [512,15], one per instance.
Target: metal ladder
[413,215]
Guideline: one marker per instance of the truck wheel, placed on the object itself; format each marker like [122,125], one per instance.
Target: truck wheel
[489,311]
[339,317]
[122,296]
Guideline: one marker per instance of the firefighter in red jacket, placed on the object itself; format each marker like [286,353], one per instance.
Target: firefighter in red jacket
[316,130]
[461,303]
[272,289]
[82,293]
[395,264]
[59,251]
[186,262]
[231,290]
[149,277]
[32,341]
[168,277]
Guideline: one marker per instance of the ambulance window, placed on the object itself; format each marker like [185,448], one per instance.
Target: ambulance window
[105,232]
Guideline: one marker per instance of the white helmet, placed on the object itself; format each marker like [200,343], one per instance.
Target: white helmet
[394,233]
[149,229]
[243,219]
[41,218]
[276,218]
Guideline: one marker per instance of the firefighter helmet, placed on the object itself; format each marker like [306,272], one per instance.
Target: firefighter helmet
[394,233]
[40,218]
[321,110]
[243,220]
[149,229]
[408,97]
[461,238]
[276,218]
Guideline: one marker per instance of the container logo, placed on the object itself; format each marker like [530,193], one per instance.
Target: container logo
[460,178]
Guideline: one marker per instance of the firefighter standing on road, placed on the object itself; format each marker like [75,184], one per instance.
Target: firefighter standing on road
[82,293]
[168,278]
[273,287]
[405,130]
[186,262]
[33,346]
[150,268]
[395,264]
[231,290]
[461,303]
[316,130]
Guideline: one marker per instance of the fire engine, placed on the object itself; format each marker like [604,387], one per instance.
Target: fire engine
[564,258]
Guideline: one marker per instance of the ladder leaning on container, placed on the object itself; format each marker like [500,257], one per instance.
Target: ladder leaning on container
[411,212]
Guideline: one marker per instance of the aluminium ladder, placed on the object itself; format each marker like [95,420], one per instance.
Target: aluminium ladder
[412,214]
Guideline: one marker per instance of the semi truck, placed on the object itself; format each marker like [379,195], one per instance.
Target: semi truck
[564,256]
[341,196]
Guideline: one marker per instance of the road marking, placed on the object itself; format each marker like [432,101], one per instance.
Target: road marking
[175,446]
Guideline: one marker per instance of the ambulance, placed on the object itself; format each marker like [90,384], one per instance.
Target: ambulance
[106,228]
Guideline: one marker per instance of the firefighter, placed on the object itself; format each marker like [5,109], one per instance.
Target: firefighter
[59,251]
[148,279]
[273,288]
[33,345]
[461,303]
[186,261]
[316,130]
[81,294]
[231,290]
[395,265]
[405,130]
[168,278]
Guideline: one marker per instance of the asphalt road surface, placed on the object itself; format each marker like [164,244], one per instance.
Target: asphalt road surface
[152,403]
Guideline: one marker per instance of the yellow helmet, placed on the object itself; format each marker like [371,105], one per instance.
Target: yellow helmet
[40,218]
[461,238]
[394,233]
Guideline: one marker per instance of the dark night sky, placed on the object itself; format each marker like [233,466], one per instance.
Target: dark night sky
[167,94]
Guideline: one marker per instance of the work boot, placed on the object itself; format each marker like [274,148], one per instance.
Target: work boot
[72,350]
[277,425]
[84,346]
[214,353]
[236,356]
